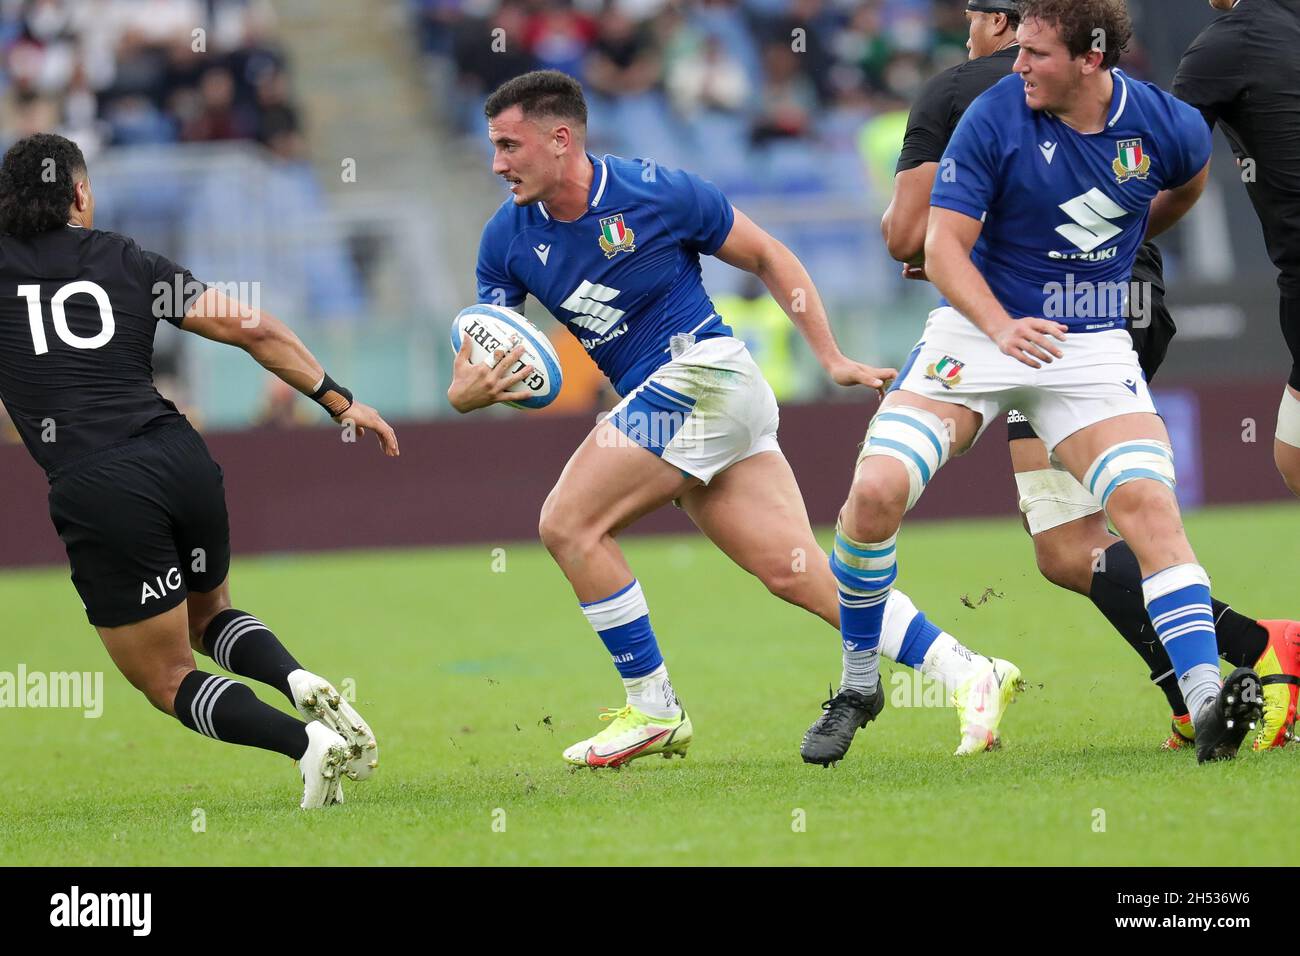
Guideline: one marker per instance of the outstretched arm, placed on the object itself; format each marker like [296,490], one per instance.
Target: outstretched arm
[750,248]
[215,316]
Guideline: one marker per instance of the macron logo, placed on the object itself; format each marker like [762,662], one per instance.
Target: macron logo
[543,251]
[1048,151]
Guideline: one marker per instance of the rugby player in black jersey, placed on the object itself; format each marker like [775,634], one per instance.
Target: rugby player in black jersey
[1072,541]
[134,495]
[1243,74]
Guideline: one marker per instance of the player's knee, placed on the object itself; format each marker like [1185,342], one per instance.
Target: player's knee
[160,685]
[1062,560]
[791,584]
[916,439]
[1134,481]
[201,615]
[1287,459]
[877,502]
[561,533]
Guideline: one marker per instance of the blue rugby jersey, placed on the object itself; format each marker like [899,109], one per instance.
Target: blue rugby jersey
[1065,212]
[625,276]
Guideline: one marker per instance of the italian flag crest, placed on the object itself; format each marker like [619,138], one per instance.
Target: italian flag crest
[1133,162]
[615,236]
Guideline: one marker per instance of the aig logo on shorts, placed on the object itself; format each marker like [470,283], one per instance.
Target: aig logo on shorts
[946,371]
[171,582]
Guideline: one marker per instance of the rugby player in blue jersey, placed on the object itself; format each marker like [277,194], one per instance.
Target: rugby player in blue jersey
[611,247]
[1052,180]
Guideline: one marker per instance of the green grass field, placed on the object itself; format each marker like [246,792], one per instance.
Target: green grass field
[475,680]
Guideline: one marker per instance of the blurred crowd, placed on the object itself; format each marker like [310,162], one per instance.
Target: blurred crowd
[752,93]
[720,78]
[127,72]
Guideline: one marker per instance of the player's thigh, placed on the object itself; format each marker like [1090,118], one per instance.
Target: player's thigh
[962,423]
[1081,450]
[153,654]
[755,514]
[607,484]
[118,536]
[196,499]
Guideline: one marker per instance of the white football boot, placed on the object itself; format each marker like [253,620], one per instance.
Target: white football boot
[322,767]
[982,701]
[316,699]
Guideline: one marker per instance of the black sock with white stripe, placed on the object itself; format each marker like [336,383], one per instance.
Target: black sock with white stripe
[245,646]
[1241,640]
[225,709]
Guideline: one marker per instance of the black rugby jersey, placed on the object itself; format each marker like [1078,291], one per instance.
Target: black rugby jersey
[78,313]
[1243,72]
[943,100]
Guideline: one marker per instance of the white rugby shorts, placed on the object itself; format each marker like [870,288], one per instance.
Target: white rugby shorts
[1097,379]
[704,411]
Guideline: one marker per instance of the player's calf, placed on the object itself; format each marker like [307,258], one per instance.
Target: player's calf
[243,645]
[1134,482]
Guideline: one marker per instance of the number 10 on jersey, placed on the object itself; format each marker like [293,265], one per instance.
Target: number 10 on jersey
[32,293]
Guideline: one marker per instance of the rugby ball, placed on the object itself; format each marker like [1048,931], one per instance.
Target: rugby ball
[492,327]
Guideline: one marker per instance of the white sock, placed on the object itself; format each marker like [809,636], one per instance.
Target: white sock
[899,611]
[1198,685]
[861,671]
[653,693]
[951,663]
[946,661]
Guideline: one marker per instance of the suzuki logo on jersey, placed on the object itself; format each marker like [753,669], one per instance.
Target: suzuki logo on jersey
[588,302]
[1132,162]
[165,586]
[615,236]
[1092,213]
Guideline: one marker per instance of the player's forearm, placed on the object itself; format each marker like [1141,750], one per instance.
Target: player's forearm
[278,350]
[950,269]
[792,287]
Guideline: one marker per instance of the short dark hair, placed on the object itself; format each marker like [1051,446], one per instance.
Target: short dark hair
[540,93]
[1082,23]
[36,184]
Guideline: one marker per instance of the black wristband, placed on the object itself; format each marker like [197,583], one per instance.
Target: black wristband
[332,397]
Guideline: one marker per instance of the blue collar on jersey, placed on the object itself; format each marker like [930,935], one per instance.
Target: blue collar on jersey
[597,186]
[1118,100]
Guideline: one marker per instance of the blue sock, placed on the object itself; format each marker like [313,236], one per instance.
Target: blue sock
[623,622]
[920,636]
[1178,602]
[865,573]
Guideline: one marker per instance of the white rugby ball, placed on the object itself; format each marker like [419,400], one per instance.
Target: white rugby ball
[492,327]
